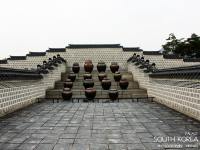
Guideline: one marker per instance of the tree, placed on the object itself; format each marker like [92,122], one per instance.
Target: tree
[187,48]
[194,45]
[171,45]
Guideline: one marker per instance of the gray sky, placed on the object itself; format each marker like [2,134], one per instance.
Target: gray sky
[35,25]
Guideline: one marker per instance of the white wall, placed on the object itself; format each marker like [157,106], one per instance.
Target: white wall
[182,99]
[13,97]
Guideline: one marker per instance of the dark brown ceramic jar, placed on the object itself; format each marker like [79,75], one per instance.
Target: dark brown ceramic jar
[76,68]
[87,76]
[106,83]
[101,66]
[75,64]
[88,61]
[101,76]
[88,66]
[67,94]
[72,76]
[117,76]
[66,89]
[123,83]
[113,94]
[114,67]
[68,84]
[90,93]
[88,83]
[68,80]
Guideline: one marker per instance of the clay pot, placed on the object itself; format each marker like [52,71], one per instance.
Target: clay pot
[101,76]
[90,93]
[76,68]
[123,83]
[75,64]
[68,80]
[101,67]
[67,94]
[117,76]
[88,66]
[113,94]
[106,83]
[68,84]
[72,76]
[88,83]
[66,89]
[88,61]
[87,76]
[114,67]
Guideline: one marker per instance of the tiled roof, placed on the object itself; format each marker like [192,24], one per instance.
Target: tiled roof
[152,53]
[172,56]
[56,50]
[132,49]
[94,46]
[36,54]
[17,58]
[3,61]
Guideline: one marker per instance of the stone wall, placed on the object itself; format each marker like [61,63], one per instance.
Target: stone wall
[18,94]
[107,55]
[183,99]
[31,61]
[168,63]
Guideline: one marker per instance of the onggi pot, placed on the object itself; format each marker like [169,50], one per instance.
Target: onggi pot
[117,76]
[113,94]
[90,93]
[68,84]
[87,76]
[123,83]
[101,66]
[88,66]
[106,83]
[76,68]
[114,67]
[88,61]
[101,76]
[67,94]
[72,76]
[88,83]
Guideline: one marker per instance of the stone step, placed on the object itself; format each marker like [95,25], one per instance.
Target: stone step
[126,75]
[99,94]
[95,79]
[79,91]
[95,71]
[97,85]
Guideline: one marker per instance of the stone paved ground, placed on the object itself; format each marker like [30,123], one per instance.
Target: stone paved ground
[114,126]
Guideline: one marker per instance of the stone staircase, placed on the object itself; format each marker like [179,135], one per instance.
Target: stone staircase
[78,88]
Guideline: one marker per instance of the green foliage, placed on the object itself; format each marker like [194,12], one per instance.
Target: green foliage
[189,47]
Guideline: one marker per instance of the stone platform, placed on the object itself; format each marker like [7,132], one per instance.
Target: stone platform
[91,126]
[78,89]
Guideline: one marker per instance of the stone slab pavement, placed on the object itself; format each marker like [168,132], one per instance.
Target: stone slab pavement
[98,126]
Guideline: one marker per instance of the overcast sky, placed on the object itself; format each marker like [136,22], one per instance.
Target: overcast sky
[35,25]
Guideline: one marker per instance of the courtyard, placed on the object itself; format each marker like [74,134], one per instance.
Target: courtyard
[123,125]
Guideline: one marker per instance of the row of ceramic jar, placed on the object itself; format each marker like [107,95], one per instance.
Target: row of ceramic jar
[90,94]
[105,82]
[101,67]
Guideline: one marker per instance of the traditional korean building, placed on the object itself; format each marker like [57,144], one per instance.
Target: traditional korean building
[164,90]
